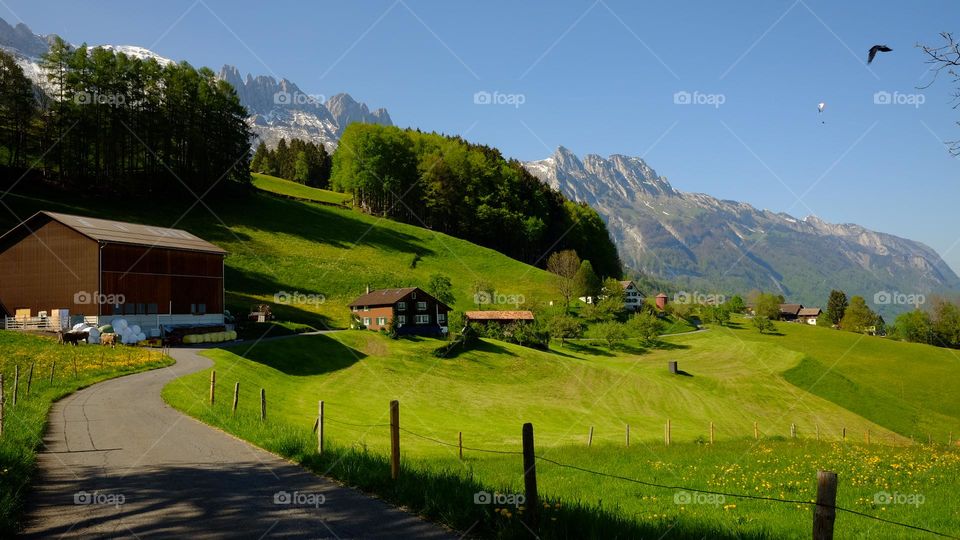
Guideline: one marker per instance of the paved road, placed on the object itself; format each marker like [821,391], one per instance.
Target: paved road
[118,442]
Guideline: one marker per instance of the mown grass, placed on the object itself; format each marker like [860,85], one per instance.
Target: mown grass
[489,392]
[908,388]
[300,191]
[24,423]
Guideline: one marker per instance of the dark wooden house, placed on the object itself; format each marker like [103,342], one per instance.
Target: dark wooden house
[101,270]
[412,309]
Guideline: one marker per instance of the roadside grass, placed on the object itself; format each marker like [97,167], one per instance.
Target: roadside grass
[288,188]
[487,394]
[24,423]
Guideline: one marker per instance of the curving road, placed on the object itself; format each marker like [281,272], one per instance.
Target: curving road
[118,461]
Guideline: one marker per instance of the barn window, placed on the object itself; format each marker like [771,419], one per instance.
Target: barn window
[382,321]
[421,306]
[401,306]
[366,321]
[441,318]
[141,309]
[401,319]
[423,319]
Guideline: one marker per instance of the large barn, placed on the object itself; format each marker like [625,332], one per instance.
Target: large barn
[100,270]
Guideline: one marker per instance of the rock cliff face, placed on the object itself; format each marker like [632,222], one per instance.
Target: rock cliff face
[719,245]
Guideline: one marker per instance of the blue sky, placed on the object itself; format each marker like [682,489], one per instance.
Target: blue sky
[600,77]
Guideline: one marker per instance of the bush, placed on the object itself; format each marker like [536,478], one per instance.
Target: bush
[645,326]
[612,332]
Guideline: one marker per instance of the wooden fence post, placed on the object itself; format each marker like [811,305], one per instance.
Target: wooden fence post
[667,434]
[628,435]
[590,437]
[530,476]
[844,433]
[213,384]
[460,443]
[825,513]
[320,428]
[30,379]
[394,439]
[16,383]
[236,395]
[711,432]
[866,436]
[756,431]
[263,404]
[2,404]
[53,367]
[793,431]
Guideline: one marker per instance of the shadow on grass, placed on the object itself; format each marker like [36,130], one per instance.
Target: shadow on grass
[302,356]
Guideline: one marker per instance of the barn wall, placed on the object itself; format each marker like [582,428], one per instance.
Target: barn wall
[152,278]
[48,270]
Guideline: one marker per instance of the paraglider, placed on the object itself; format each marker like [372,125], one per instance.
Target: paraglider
[820,108]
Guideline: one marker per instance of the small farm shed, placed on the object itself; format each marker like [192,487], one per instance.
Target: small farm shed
[101,269]
[498,317]
[414,310]
[809,315]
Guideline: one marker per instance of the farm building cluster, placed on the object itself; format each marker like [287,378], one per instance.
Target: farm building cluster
[58,271]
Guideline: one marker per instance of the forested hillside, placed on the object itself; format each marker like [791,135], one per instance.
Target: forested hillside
[466,190]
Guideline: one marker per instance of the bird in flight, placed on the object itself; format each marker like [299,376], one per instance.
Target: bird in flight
[875,49]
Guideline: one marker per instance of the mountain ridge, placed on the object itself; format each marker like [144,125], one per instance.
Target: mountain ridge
[733,246]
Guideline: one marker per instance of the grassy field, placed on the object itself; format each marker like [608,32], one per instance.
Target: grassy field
[73,368]
[320,255]
[735,377]
[300,191]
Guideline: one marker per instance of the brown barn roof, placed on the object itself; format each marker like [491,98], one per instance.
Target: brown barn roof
[383,297]
[792,309]
[809,312]
[119,232]
[499,315]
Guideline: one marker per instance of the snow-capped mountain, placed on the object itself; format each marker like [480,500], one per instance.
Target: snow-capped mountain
[282,110]
[718,245]
[277,109]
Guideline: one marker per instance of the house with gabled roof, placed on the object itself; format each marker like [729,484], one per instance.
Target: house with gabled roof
[410,310]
